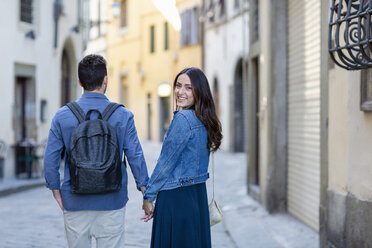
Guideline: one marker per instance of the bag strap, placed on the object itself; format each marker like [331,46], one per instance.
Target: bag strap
[213,173]
[77,111]
[110,109]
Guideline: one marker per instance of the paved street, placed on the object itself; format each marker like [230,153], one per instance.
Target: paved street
[32,218]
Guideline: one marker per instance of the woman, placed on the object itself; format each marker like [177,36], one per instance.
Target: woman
[181,217]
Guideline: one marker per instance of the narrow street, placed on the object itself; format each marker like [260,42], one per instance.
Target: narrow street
[33,219]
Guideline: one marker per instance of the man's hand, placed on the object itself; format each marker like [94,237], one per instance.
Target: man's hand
[58,197]
[143,189]
[149,211]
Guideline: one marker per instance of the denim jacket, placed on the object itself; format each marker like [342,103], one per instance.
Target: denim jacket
[184,156]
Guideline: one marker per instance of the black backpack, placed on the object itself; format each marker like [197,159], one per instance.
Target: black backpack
[94,156]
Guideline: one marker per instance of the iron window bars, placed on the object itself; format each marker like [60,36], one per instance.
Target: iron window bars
[350,33]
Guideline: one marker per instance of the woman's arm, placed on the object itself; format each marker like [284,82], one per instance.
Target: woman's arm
[176,140]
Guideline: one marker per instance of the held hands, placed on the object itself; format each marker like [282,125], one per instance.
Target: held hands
[149,211]
[147,207]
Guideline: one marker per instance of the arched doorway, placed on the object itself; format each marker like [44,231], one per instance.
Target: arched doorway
[68,73]
[238,114]
[65,79]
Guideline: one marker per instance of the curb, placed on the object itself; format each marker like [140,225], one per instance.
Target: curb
[20,188]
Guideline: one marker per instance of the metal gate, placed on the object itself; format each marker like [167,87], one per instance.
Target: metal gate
[304,111]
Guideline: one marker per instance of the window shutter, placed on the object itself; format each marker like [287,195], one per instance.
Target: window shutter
[194,28]
[183,27]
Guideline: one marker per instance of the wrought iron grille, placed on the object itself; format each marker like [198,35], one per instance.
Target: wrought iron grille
[350,33]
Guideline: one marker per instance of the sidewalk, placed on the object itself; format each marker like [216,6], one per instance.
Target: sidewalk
[13,185]
[245,220]
[245,223]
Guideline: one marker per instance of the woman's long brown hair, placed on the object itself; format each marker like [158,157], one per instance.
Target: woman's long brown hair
[204,106]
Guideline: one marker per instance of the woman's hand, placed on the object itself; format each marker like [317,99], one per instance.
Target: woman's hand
[148,207]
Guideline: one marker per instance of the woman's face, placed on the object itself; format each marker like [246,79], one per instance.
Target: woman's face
[183,92]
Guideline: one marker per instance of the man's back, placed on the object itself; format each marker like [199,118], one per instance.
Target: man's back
[63,125]
[93,215]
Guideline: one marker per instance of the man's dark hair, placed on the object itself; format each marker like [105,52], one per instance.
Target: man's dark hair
[92,70]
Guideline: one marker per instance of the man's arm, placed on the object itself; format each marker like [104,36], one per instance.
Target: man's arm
[134,153]
[52,159]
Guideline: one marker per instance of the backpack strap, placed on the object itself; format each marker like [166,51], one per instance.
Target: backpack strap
[77,111]
[109,110]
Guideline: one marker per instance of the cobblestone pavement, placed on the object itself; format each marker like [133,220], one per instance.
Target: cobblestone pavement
[32,218]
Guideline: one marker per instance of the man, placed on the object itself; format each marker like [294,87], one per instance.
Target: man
[93,215]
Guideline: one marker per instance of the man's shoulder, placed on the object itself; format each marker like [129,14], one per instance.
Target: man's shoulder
[62,112]
[122,111]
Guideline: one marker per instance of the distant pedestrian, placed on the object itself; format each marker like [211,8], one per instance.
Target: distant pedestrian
[181,217]
[94,133]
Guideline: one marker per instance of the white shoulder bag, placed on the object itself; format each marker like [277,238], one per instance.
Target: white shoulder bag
[215,213]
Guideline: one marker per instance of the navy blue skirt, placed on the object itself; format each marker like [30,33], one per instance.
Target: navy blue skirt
[181,218]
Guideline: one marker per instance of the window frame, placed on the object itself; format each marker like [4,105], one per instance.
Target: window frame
[365,83]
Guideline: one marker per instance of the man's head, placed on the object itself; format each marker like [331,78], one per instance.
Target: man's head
[92,72]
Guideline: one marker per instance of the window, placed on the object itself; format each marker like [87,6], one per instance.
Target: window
[194,26]
[97,25]
[222,8]
[152,39]
[166,36]
[210,12]
[190,27]
[123,14]
[26,11]
[236,4]
[184,28]
[366,90]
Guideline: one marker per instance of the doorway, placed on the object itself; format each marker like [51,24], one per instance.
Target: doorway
[256,128]
[24,114]
[164,116]
[238,114]
[65,79]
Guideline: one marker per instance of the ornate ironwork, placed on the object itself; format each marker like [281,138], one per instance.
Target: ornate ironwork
[350,33]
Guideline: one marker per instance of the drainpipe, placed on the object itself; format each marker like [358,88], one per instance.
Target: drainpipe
[56,12]
[202,35]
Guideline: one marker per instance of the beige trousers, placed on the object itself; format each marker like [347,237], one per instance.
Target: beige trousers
[106,227]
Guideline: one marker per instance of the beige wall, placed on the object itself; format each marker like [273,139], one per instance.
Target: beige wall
[264,98]
[338,126]
[350,136]
[128,53]
[360,141]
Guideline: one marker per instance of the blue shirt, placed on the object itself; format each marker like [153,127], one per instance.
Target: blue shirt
[184,156]
[63,124]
